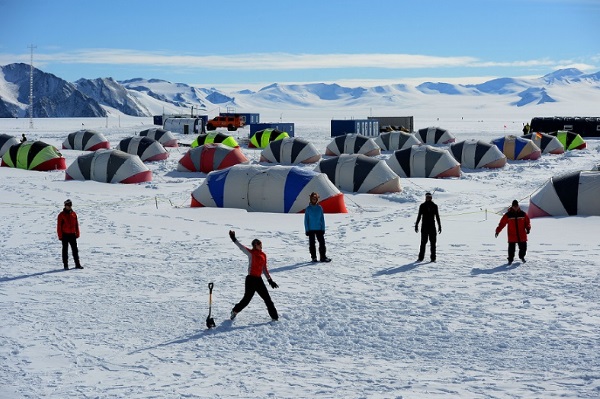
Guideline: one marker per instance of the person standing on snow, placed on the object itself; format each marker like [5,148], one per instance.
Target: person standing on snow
[68,232]
[257,265]
[314,226]
[518,228]
[428,210]
[526,128]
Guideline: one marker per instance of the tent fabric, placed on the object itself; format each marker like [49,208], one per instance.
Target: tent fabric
[164,137]
[575,193]
[147,149]
[85,140]
[359,173]
[424,161]
[7,141]
[214,138]
[434,135]
[109,166]
[353,143]
[569,140]
[34,155]
[291,151]
[392,141]
[517,148]
[476,154]
[277,189]
[546,142]
[209,157]
[262,138]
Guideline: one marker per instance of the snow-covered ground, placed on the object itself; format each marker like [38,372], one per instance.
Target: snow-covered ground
[371,324]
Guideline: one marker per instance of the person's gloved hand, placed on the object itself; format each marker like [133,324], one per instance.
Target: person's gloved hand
[496,235]
[527,231]
[232,235]
[440,230]
[307,233]
[272,283]
[416,228]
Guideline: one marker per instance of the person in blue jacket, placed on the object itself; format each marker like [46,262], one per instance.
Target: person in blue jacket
[314,226]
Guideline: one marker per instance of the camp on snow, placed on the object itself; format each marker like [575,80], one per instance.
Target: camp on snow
[6,141]
[277,189]
[517,148]
[359,173]
[434,135]
[262,138]
[85,140]
[547,143]
[214,138]
[392,141]
[290,151]
[570,140]
[424,161]
[209,157]
[147,149]
[353,143]
[34,155]
[109,166]
[164,137]
[571,194]
[475,154]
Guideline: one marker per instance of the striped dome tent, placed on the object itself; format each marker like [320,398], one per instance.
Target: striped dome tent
[164,137]
[518,148]
[34,155]
[392,141]
[353,143]
[546,142]
[575,193]
[424,161]
[7,141]
[475,154]
[291,151]
[360,174]
[147,149]
[209,157]
[570,140]
[277,189]
[434,135]
[85,140]
[109,166]
[214,138]
[262,138]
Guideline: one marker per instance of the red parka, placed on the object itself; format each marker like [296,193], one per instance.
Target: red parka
[518,225]
[67,223]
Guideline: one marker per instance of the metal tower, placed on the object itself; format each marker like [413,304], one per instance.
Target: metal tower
[31,47]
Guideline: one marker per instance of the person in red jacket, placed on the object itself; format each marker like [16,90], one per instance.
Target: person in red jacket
[518,228]
[68,232]
[257,265]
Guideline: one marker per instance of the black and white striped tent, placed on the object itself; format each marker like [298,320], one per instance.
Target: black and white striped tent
[6,141]
[575,193]
[164,137]
[85,140]
[424,161]
[475,154]
[109,166]
[547,143]
[395,140]
[360,174]
[353,143]
[290,151]
[144,147]
[434,135]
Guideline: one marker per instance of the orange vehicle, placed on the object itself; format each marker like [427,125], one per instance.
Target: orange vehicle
[230,122]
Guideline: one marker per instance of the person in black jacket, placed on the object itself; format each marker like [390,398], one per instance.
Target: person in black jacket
[428,210]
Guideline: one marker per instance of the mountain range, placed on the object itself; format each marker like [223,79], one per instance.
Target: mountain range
[55,97]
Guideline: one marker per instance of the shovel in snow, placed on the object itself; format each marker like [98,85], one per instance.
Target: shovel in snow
[210,322]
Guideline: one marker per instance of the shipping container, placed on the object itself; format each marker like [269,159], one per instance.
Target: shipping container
[395,121]
[282,126]
[186,125]
[584,126]
[247,118]
[158,120]
[365,127]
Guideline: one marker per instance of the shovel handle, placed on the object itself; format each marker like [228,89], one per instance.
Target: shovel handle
[210,286]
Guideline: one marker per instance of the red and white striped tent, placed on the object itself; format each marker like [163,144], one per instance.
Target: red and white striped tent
[209,157]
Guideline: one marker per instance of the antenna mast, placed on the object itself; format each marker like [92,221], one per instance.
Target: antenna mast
[31,47]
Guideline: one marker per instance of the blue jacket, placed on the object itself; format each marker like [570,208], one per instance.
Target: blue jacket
[314,218]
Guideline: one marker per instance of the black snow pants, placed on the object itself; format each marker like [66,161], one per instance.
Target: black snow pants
[522,250]
[320,237]
[256,284]
[69,239]
[431,236]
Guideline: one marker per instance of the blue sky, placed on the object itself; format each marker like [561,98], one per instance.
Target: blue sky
[231,43]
